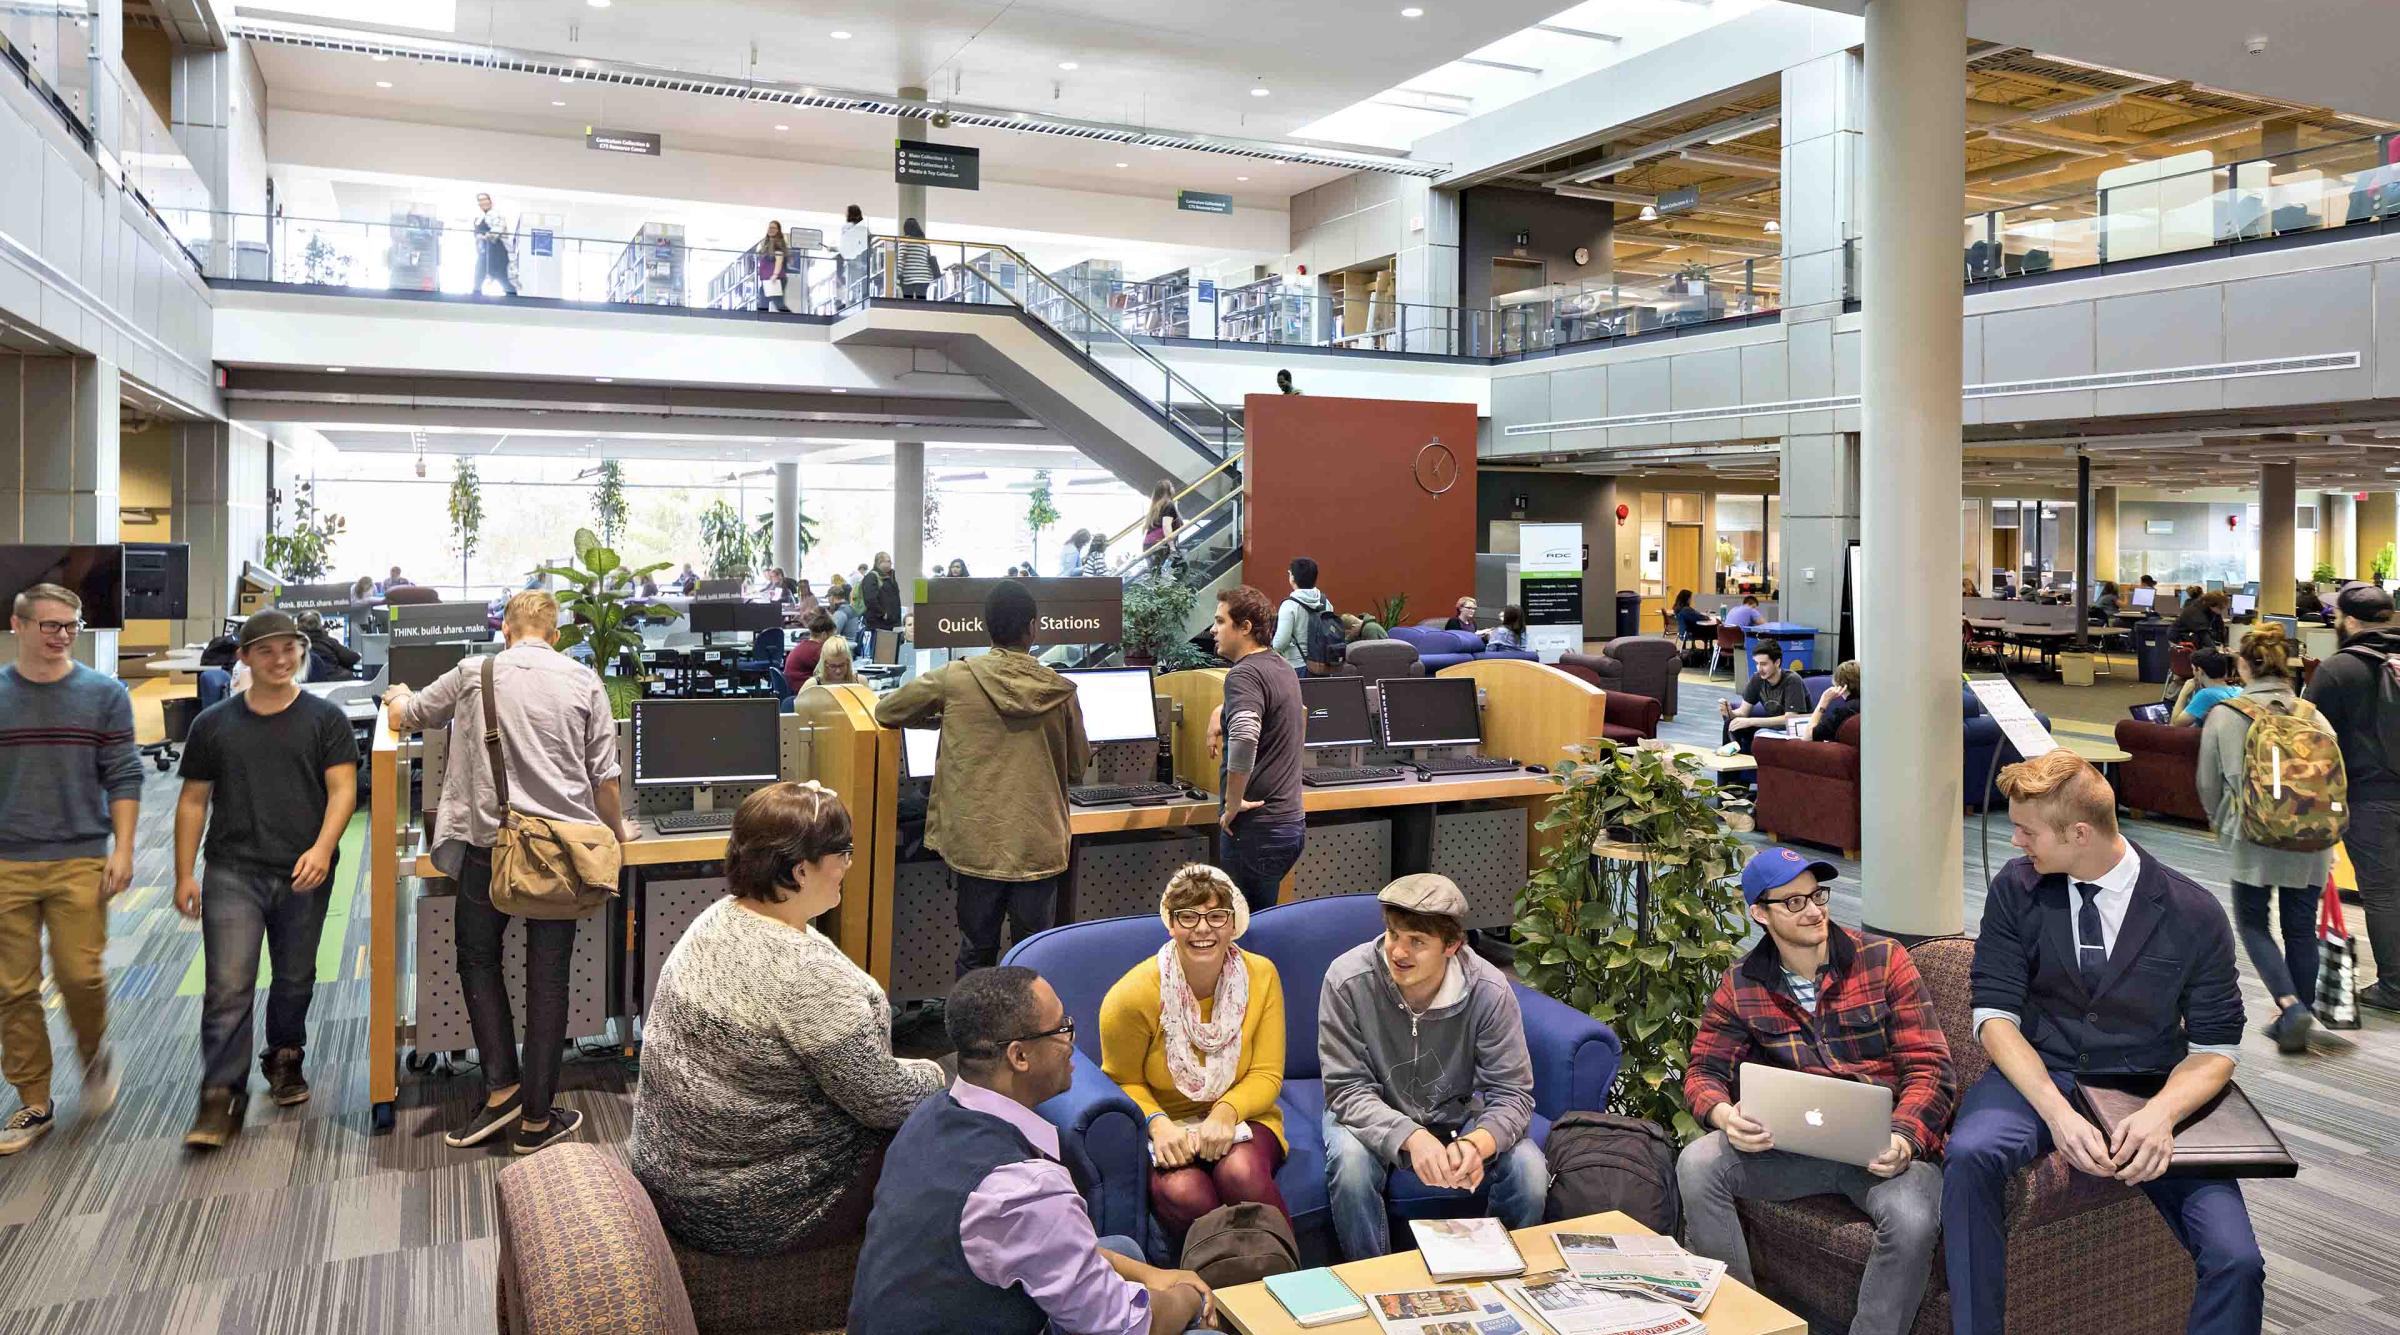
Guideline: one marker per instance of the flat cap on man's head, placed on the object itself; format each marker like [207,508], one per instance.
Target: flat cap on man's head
[1426,892]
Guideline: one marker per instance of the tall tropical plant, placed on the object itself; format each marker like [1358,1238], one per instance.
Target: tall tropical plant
[1640,953]
[726,539]
[305,552]
[1039,512]
[2384,561]
[804,537]
[609,508]
[596,594]
[466,513]
[2323,574]
[1157,614]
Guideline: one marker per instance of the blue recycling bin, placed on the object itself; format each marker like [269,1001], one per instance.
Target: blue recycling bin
[1799,643]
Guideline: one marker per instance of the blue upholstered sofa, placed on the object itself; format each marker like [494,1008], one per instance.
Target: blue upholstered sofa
[1574,1062]
[1440,648]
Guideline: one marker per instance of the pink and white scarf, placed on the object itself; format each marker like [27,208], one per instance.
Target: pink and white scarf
[1203,1058]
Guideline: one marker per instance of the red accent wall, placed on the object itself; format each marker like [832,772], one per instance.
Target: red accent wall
[1335,479]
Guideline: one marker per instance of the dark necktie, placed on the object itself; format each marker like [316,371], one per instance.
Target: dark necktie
[2090,947]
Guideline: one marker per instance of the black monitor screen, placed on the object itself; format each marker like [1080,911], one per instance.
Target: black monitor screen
[1430,711]
[418,666]
[96,574]
[1337,711]
[719,618]
[706,741]
[717,588]
[757,616]
[157,580]
[711,618]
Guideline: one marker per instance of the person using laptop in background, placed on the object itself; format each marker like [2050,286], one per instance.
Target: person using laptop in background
[1818,998]
[2095,959]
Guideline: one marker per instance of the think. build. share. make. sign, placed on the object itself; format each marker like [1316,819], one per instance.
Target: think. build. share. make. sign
[949,612]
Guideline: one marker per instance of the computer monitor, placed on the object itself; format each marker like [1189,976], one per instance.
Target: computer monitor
[757,616]
[2145,597]
[718,618]
[1337,711]
[717,588]
[1430,711]
[920,750]
[2242,605]
[418,666]
[1116,704]
[157,580]
[2213,586]
[706,741]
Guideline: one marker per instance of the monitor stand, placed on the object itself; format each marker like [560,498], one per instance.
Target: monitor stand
[704,797]
[1337,757]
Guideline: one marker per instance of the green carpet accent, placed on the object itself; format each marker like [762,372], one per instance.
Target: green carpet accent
[346,875]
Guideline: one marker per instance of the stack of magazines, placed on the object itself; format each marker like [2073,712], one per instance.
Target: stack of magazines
[1642,1265]
[1572,1306]
[1444,1310]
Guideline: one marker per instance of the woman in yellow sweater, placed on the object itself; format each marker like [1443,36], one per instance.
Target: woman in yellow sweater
[1194,1036]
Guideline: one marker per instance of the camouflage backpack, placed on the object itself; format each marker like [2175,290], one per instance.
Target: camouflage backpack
[2294,794]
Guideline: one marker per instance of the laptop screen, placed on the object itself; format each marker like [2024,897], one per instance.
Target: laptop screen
[2150,713]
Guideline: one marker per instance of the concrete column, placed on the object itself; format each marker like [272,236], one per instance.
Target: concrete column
[908,516]
[1820,517]
[1821,132]
[221,512]
[786,537]
[2277,535]
[2104,533]
[2337,531]
[1911,464]
[58,464]
[2378,526]
[911,203]
[1600,533]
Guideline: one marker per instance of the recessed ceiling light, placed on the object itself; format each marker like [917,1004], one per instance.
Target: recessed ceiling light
[1069,65]
[566,78]
[1121,164]
[1412,12]
[556,103]
[839,390]
[1241,178]
[783,127]
[604,379]
[1258,92]
[338,370]
[383,83]
[381,57]
[840,36]
[597,4]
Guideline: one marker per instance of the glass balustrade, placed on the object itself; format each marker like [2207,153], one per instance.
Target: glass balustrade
[49,42]
[1640,298]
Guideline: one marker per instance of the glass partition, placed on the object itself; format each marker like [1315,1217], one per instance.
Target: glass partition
[1634,300]
[50,43]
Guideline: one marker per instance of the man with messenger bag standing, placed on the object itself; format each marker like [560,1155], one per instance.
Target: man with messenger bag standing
[531,815]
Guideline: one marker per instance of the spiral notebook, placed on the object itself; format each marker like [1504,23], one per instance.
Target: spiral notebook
[1315,1297]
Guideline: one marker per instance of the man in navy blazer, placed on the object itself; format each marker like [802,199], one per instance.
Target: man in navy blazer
[2095,959]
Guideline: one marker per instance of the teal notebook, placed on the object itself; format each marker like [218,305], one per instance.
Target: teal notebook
[1315,1297]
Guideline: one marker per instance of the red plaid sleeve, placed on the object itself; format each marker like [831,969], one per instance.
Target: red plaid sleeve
[1920,1057]
[1718,1050]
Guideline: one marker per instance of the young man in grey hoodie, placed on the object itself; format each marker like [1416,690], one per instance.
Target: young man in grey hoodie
[1426,1070]
[1291,619]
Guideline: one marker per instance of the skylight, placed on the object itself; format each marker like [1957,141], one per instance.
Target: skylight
[1568,45]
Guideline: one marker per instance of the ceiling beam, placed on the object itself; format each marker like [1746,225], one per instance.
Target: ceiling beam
[1733,128]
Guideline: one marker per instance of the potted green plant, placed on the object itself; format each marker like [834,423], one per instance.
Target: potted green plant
[609,508]
[1039,512]
[2323,574]
[1157,608]
[1389,611]
[466,514]
[306,552]
[596,596]
[1637,941]
[2384,560]
[726,539]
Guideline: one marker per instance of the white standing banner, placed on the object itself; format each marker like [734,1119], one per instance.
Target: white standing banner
[1550,588]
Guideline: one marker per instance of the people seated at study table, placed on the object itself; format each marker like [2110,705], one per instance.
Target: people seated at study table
[1194,1036]
[761,1023]
[1746,615]
[1426,1069]
[1816,997]
[2095,959]
[1690,622]
[1770,699]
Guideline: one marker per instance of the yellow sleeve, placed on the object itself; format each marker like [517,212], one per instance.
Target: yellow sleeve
[1128,1026]
[1253,1095]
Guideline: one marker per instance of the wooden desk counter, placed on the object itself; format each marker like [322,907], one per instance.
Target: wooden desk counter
[1351,797]
[650,850]
[1736,1310]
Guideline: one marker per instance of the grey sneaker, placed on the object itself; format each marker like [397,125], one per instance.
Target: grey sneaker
[24,1127]
[99,1085]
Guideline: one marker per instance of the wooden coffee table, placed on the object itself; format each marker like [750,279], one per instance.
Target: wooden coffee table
[1251,1310]
[1706,756]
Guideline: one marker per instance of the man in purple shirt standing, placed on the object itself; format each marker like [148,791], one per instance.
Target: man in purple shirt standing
[977,1223]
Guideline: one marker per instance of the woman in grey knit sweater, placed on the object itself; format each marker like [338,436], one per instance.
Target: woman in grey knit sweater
[768,1089]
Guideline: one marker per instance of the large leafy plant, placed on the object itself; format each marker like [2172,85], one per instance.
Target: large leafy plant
[596,594]
[306,552]
[2384,561]
[1039,512]
[1157,612]
[1641,956]
[2323,574]
[727,540]
[609,507]
[466,513]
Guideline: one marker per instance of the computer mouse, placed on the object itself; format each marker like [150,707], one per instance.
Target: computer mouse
[1537,769]
[1424,776]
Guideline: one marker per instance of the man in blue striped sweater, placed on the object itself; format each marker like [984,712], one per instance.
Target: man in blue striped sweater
[69,781]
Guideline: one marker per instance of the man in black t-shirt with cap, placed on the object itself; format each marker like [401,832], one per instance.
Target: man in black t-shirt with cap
[272,775]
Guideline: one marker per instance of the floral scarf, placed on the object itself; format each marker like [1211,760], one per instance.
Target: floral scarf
[1203,1057]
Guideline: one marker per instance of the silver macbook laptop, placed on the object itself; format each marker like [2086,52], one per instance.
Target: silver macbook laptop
[1847,1121]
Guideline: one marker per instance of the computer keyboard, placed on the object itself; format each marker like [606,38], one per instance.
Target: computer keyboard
[1326,776]
[692,822]
[1105,794]
[1466,765]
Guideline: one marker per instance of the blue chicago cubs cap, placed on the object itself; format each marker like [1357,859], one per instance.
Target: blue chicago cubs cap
[1775,868]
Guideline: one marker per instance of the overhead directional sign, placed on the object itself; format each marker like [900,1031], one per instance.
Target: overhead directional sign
[637,143]
[1200,201]
[948,166]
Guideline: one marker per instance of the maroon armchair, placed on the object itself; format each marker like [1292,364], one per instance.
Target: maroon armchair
[1809,790]
[2163,777]
[1629,718]
[1642,664]
[2086,1255]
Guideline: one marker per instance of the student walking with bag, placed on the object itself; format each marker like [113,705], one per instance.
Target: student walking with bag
[272,775]
[531,836]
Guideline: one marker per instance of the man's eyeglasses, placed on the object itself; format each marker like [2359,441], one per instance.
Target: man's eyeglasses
[1067,1027]
[58,627]
[1190,919]
[1797,904]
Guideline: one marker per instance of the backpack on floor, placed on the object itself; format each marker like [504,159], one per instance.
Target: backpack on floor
[2294,793]
[1240,1244]
[1602,1161]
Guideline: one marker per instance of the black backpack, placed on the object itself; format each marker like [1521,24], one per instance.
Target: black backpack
[1322,642]
[1602,1161]
[2386,669]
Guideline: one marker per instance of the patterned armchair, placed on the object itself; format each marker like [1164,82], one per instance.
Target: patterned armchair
[2084,1253]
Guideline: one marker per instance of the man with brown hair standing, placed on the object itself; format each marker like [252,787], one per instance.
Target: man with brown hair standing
[1261,828]
[69,782]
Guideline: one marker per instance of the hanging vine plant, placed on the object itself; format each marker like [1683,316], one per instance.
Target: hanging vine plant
[609,508]
[1039,512]
[466,513]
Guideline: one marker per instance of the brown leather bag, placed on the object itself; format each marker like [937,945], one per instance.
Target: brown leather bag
[543,868]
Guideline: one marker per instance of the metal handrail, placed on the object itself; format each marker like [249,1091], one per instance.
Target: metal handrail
[1167,543]
[1027,266]
[1230,460]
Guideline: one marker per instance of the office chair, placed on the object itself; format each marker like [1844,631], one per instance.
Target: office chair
[1977,645]
[1728,650]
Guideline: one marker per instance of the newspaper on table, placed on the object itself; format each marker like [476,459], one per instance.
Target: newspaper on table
[1642,1264]
[1444,1310]
[1572,1306]
[2017,721]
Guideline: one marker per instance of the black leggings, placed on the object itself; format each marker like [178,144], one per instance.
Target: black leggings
[549,949]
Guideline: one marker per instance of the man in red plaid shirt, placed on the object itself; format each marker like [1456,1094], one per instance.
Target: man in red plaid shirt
[1815,996]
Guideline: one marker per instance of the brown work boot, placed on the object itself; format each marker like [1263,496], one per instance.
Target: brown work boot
[285,1084]
[217,1122]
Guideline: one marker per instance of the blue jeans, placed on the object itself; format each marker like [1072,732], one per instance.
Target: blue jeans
[1258,857]
[2289,971]
[1996,1133]
[1518,1182]
[1127,1247]
[239,907]
[215,685]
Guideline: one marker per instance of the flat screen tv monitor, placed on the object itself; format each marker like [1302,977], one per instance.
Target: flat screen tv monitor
[706,741]
[158,581]
[2243,604]
[2145,598]
[920,750]
[757,616]
[1337,711]
[418,666]
[1116,704]
[95,573]
[1430,711]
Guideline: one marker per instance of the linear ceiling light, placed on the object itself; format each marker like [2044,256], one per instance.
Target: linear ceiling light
[1667,147]
[1608,193]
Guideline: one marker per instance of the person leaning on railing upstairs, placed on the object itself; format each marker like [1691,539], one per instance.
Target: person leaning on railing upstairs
[917,271]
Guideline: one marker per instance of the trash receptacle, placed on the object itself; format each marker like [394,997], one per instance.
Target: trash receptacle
[2153,650]
[1629,614]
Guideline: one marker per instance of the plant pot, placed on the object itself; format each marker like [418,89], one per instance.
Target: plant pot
[622,692]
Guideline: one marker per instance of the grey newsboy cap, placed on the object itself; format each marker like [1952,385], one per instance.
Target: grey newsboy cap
[1426,892]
